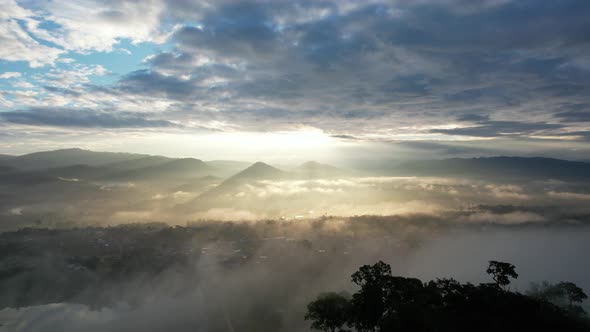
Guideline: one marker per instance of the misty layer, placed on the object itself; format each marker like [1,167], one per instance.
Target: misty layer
[71,187]
[216,276]
[107,241]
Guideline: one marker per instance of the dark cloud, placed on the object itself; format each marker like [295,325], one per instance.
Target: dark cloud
[84,118]
[473,118]
[499,128]
[169,60]
[575,116]
[346,137]
[513,26]
[355,67]
[447,149]
[372,56]
[150,83]
[583,135]
[240,29]
[63,91]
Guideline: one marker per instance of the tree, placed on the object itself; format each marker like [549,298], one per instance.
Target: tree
[372,275]
[369,302]
[574,296]
[563,293]
[391,303]
[329,312]
[501,272]
[572,292]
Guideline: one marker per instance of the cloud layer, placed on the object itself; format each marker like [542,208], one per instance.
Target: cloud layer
[373,71]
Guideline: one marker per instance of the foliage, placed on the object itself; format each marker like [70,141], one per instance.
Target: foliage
[329,312]
[391,303]
[566,295]
[501,273]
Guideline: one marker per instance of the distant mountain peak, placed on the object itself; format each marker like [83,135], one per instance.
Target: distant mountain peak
[259,164]
[258,170]
[187,161]
[255,172]
[310,163]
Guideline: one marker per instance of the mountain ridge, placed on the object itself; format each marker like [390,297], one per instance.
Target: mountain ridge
[499,166]
[132,165]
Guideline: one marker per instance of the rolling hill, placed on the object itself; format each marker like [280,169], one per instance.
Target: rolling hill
[138,163]
[174,169]
[4,157]
[497,168]
[66,157]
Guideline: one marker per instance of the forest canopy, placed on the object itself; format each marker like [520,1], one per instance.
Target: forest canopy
[385,302]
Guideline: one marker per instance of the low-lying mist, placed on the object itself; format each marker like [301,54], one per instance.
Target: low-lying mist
[70,203]
[156,244]
[252,276]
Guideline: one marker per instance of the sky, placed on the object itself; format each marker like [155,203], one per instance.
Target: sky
[297,79]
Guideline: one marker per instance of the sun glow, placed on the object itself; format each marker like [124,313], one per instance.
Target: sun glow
[300,145]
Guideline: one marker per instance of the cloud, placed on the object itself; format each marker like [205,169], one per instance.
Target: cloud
[489,128]
[176,63]
[374,70]
[345,137]
[23,85]
[64,117]
[240,30]
[582,115]
[473,118]
[569,195]
[76,75]
[431,149]
[153,83]
[499,128]
[89,25]
[38,35]
[309,70]
[10,74]
[18,45]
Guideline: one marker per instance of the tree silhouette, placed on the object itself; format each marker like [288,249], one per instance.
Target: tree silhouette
[369,301]
[329,312]
[391,303]
[501,273]
[573,293]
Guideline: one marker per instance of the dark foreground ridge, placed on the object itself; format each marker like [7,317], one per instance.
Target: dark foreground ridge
[391,303]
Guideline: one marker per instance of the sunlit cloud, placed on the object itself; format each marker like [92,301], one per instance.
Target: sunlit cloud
[369,72]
